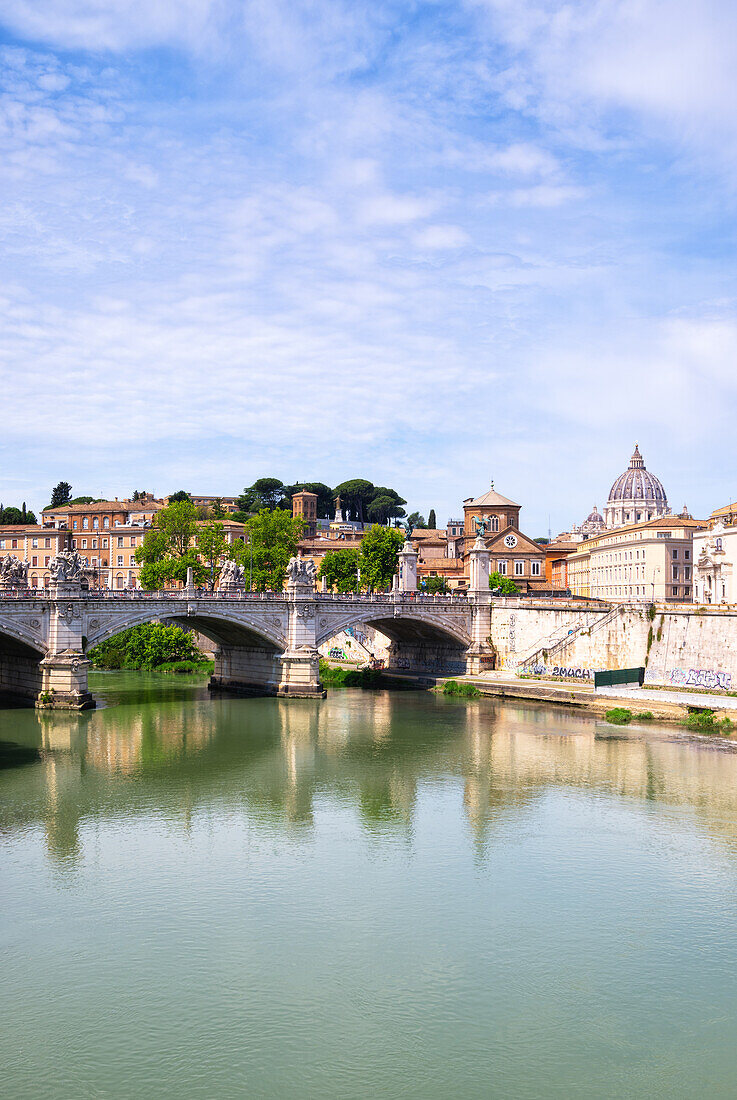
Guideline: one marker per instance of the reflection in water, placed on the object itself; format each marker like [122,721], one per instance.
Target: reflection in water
[369,750]
[370,887]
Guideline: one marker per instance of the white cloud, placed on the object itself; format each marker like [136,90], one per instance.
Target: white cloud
[441,237]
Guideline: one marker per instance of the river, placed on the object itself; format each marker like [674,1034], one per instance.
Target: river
[380,895]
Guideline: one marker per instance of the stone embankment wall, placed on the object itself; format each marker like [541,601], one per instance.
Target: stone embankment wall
[679,646]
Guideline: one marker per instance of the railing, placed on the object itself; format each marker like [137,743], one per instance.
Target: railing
[220,596]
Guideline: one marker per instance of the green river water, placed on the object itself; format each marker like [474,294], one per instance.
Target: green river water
[381,895]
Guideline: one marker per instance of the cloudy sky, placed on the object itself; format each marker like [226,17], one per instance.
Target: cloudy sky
[426,243]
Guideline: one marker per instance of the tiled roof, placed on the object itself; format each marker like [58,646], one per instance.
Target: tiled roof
[492,499]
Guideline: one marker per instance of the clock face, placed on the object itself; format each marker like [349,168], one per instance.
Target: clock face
[510,541]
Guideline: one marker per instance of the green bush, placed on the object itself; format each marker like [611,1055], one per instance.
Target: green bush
[619,716]
[186,668]
[705,721]
[354,677]
[146,647]
[468,691]
[645,716]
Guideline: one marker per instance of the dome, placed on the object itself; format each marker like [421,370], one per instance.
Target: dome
[595,516]
[636,495]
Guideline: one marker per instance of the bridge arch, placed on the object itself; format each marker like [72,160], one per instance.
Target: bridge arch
[231,629]
[411,625]
[21,653]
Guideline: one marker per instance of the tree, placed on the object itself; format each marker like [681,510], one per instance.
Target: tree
[355,495]
[386,504]
[83,500]
[167,550]
[217,508]
[265,493]
[180,496]
[212,546]
[378,556]
[146,646]
[12,515]
[61,494]
[432,522]
[272,538]
[434,584]
[416,520]
[542,541]
[340,570]
[503,586]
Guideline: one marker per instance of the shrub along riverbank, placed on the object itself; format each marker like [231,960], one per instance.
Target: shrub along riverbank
[151,647]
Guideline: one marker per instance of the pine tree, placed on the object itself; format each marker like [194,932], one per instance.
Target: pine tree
[431,520]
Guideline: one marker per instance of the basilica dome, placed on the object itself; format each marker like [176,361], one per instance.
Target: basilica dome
[636,495]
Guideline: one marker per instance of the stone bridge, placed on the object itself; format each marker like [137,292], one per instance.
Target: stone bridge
[266,643]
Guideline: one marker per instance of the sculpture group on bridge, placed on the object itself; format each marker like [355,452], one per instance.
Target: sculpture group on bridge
[67,567]
[13,572]
[232,576]
[301,571]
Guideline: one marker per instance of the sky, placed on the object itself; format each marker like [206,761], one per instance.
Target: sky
[430,244]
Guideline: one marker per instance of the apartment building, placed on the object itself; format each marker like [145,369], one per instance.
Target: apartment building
[650,561]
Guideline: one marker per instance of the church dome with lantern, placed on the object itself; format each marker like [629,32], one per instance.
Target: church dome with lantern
[636,495]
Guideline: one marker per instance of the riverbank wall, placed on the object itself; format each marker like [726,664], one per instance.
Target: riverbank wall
[679,646]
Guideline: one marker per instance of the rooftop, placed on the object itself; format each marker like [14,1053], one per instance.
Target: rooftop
[492,499]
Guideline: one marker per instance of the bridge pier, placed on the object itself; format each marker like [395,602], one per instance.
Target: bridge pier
[64,668]
[246,670]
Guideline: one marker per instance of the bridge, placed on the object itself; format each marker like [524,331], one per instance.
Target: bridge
[266,643]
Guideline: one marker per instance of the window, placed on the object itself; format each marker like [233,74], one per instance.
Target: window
[535,568]
[687,554]
[104,544]
[674,591]
[106,522]
[675,572]
[502,568]
[674,554]
[133,540]
[519,569]
[120,541]
[495,523]
[34,543]
[120,559]
[94,544]
[14,544]
[46,561]
[34,560]
[95,523]
[84,544]
[718,543]
[85,523]
[687,591]
[74,525]
[47,543]
[2,544]
[665,534]
[74,544]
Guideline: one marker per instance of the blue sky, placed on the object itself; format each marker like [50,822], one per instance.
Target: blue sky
[430,244]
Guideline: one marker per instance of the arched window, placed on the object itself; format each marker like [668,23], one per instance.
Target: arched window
[495,523]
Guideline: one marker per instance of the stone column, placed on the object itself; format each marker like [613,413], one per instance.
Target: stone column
[480,653]
[407,568]
[300,662]
[64,669]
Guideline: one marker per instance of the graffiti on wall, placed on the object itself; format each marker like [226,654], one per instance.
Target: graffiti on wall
[560,671]
[700,677]
[336,654]
[512,633]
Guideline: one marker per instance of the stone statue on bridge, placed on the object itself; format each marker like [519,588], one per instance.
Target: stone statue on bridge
[67,568]
[13,572]
[301,572]
[232,576]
